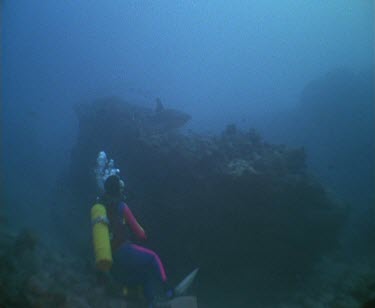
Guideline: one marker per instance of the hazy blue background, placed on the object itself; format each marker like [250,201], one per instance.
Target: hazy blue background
[220,61]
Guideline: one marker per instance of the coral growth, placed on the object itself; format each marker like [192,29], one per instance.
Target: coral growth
[32,275]
[245,211]
[232,204]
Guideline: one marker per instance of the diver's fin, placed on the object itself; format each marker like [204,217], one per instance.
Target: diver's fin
[184,285]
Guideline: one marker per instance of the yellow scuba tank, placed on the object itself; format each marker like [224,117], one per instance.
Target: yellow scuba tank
[101,239]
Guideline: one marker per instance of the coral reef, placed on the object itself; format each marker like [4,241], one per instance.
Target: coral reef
[232,204]
[338,284]
[32,275]
[245,211]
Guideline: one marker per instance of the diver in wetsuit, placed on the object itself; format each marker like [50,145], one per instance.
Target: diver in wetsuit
[133,265]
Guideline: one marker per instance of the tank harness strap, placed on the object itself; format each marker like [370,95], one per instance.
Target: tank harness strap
[101,219]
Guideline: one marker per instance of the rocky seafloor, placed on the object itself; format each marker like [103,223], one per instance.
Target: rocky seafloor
[32,275]
[263,231]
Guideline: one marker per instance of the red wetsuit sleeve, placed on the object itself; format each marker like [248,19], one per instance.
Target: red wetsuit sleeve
[133,224]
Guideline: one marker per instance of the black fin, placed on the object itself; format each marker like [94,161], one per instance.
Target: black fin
[159,105]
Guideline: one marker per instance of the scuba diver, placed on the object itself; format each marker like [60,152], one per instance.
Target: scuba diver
[133,265]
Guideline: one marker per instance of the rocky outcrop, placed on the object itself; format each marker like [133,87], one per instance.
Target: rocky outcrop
[33,275]
[233,204]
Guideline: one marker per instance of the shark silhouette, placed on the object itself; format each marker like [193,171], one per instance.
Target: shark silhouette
[166,119]
[159,120]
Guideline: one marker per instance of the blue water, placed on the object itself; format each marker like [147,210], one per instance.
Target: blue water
[301,73]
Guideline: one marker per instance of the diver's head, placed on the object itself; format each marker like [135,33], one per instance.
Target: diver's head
[114,186]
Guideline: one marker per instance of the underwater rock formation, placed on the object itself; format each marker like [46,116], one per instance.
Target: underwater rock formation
[339,284]
[32,275]
[245,211]
[233,204]
[334,120]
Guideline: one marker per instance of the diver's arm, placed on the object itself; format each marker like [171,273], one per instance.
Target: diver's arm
[133,224]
